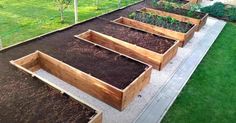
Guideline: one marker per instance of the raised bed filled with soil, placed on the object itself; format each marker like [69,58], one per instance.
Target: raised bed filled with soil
[155,50]
[197,18]
[172,31]
[104,74]
[38,60]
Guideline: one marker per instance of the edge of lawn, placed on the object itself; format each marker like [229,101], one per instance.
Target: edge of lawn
[67,27]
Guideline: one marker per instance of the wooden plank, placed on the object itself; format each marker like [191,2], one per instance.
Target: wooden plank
[184,6]
[97,118]
[153,58]
[24,61]
[133,89]
[198,22]
[83,81]
[195,1]
[182,37]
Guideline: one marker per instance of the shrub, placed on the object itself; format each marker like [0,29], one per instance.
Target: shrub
[216,10]
[231,13]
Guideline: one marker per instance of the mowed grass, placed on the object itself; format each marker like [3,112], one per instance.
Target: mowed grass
[24,19]
[210,94]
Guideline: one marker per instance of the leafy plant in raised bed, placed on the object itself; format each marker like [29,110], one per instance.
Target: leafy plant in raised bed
[166,22]
[192,11]
[165,6]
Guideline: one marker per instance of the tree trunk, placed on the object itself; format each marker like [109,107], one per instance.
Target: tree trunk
[119,4]
[97,4]
[62,14]
[76,10]
[1,46]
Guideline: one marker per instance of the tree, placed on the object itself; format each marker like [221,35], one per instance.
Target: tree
[62,5]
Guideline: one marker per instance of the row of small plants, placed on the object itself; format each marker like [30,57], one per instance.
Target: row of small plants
[165,22]
[221,11]
[166,6]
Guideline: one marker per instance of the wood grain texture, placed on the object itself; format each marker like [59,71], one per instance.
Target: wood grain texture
[182,37]
[39,60]
[134,88]
[195,1]
[83,81]
[97,118]
[198,22]
[157,60]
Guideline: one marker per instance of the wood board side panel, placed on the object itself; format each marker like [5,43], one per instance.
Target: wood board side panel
[97,118]
[133,89]
[170,54]
[29,61]
[82,81]
[152,29]
[203,22]
[35,56]
[176,16]
[128,49]
[185,6]
[189,35]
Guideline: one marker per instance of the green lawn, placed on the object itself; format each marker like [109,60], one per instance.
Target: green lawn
[24,19]
[210,94]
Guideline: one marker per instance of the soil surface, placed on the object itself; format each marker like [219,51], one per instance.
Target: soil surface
[25,99]
[146,40]
[103,64]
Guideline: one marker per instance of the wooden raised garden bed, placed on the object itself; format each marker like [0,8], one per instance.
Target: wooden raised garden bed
[182,37]
[39,60]
[179,3]
[114,96]
[157,60]
[198,22]
[195,1]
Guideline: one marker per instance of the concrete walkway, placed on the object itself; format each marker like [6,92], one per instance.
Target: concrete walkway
[163,100]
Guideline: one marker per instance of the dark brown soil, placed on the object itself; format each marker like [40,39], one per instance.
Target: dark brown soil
[39,104]
[24,99]
[146,40]
[108,66]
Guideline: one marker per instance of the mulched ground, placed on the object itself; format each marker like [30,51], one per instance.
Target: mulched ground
[29,100]
[24,99]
